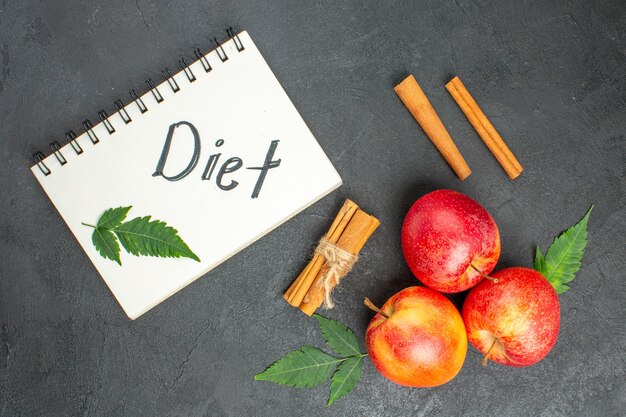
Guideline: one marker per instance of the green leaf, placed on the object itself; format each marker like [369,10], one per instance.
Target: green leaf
[113,217]
[540,262]
[345,378]
[564,256]
[302,368]
[140,236]
[106,244]
[340,338]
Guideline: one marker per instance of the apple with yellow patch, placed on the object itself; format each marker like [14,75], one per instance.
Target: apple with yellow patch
[417,339]
[514,321]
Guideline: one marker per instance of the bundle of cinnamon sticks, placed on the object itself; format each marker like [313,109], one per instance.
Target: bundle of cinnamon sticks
[333,259]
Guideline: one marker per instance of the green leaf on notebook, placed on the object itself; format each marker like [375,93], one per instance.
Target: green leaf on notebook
[106,244]
[139,237]
[113,217]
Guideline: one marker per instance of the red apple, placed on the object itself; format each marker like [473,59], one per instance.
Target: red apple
[417,339]
[515,321]
[447,238]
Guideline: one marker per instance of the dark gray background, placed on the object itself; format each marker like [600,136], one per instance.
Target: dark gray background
[549,74]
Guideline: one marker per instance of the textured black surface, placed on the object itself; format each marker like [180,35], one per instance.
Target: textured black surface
[549,74]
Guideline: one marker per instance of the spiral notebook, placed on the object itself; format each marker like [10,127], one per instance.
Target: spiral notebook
[216,155]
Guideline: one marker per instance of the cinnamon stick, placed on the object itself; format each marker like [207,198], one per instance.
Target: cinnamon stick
[349,231]
[484,128]
[418,104]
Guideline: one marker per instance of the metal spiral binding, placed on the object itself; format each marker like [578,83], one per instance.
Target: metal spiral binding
[104,117]
[122,111]
[89,129]
[183,66]
[238,44]
[39,157]
[202,58]
[152,87]
[71,139]
[56,150]
[154,90]
[218,49]
[170,80]
[139,101]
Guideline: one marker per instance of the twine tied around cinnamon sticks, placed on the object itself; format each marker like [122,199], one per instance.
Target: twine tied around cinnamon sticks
[340,263]
[333,259]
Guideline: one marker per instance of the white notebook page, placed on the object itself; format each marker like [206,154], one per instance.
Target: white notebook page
[240,102]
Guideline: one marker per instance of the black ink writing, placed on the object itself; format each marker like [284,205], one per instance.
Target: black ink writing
[212,162]
[231,165]
[225,169]
[166,149]
[267,165]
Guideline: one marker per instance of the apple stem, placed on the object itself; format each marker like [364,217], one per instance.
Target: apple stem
[486,357]
[371,305]
[482,274]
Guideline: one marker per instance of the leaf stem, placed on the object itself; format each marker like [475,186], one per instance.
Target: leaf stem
[360,355]
[482,274]
[88,225]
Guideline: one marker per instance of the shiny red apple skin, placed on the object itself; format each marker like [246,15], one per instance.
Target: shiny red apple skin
[521,310]
[443,233]
[422,344]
